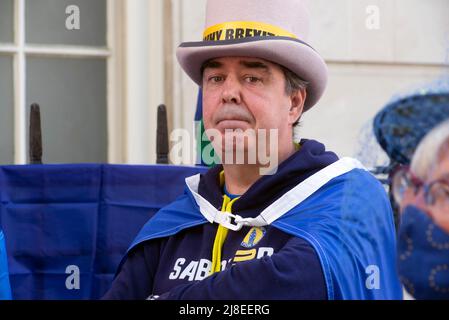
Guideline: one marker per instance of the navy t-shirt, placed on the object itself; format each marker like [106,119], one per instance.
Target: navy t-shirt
[287,267]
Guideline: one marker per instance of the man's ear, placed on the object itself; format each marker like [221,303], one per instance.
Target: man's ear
[298,98]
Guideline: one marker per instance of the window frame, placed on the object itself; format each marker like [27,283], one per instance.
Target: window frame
[113,53]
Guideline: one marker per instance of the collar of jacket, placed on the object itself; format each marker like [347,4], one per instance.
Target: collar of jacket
[311,158]
[280,207]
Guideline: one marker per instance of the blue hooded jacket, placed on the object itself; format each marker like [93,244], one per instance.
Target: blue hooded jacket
[327,226]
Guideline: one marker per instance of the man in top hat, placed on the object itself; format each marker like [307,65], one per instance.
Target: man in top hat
[310,226]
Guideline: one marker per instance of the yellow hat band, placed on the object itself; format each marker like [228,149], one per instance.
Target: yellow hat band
[243,29]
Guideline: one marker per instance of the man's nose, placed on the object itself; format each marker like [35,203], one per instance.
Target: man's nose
[231,91]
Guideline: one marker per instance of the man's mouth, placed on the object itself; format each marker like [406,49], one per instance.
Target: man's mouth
[232,123]
[233,119]
[232,116]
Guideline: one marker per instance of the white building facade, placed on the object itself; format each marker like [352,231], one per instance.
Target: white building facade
[374,50]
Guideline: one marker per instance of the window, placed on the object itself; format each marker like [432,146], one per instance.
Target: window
[6,110]
[69,73]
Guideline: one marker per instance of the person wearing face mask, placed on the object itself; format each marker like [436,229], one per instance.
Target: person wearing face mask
[421,191]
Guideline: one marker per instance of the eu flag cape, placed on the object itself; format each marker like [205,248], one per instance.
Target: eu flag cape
[348,220]
[5,288]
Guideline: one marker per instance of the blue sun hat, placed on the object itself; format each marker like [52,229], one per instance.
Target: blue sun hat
[406,119]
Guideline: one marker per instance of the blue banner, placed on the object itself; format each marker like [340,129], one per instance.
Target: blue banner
[68,226]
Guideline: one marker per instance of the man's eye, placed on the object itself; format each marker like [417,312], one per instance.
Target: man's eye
[216,79]
[252,79]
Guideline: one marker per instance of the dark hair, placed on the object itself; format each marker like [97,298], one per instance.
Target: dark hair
[293,83]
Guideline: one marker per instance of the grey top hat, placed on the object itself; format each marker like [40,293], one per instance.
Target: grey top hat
[276,31]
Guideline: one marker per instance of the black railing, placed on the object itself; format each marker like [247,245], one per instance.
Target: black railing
[162,135]
[35,135]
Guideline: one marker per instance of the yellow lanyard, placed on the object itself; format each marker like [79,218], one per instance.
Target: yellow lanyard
[220,237]
[222,232]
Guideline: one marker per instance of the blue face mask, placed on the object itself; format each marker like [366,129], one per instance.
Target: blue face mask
[423,256]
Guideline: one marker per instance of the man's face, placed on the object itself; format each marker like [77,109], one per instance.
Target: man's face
[247,94]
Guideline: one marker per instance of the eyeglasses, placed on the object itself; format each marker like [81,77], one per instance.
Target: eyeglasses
[436,193]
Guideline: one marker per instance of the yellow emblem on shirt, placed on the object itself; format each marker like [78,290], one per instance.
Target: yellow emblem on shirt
[253,237]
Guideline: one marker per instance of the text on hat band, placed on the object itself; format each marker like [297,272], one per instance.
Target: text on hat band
[243,29]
